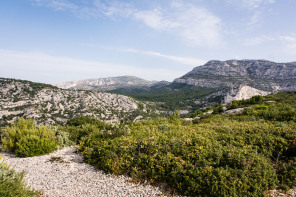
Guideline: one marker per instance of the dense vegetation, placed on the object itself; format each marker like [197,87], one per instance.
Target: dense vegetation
[170,97]
[26,139]
[218,157]
[243,154]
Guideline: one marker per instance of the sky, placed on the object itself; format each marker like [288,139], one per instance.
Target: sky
[52,41]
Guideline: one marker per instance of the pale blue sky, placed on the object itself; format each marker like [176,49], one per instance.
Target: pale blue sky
[60,40]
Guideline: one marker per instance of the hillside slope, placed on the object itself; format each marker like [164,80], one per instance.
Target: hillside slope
[50,105]
[215,82]
[260,74]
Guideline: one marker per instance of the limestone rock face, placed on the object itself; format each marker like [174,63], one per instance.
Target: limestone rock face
[246,68]
[242,79]
[260,74]
[48,104]
[242,92]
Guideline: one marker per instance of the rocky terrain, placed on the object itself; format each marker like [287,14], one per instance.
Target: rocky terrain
[104,84]
[48,104]
[259,74]
[234,92]
[242,79]
[226,80]
[214,82]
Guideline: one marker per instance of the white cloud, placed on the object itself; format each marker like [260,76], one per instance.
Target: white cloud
[183,60]
[251,4]
[155,19]
[255,18]
[113,8]
[289,44]
[254,4]
[194,24]
[56,4]
[283,45]
[46,68]
[259,40]
[256,9]
[286,39]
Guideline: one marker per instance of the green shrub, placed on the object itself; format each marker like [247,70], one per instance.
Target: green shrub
[163,127]
[63,138]
[12,184]
[218,109]
[175,117]
[287,174]
[196,113]
[281,112]
[32,145]
[26,139]
[221,156]
[245,102]
[81,127]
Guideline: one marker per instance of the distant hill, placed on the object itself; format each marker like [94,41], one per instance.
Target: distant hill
[105,84]
[48,104]
[214,82]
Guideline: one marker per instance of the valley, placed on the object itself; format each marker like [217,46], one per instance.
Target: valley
[238,141]
[209,84]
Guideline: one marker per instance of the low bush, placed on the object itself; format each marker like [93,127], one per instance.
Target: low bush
[12,184]
[245,102]
[280,112]
[81,127]
[26,139]
[33,145]
[218,109]
[62,137]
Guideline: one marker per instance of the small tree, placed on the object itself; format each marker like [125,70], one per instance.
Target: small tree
[175,117]
[218,109]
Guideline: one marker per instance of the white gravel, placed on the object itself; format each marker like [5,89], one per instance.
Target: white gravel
[72,177]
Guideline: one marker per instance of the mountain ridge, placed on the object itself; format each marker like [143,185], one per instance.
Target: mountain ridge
[214,82]
[107,83]
[247,68]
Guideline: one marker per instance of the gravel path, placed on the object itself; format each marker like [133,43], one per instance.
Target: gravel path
[69,176]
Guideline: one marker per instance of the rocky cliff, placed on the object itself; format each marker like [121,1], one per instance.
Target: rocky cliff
[48,104]
[243,78]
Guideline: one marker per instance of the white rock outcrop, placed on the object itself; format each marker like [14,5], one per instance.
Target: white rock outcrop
[243,92]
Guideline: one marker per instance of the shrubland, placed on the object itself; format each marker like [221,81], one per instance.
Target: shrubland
[218,157]
[243,154]
[27,139]
[221,155]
